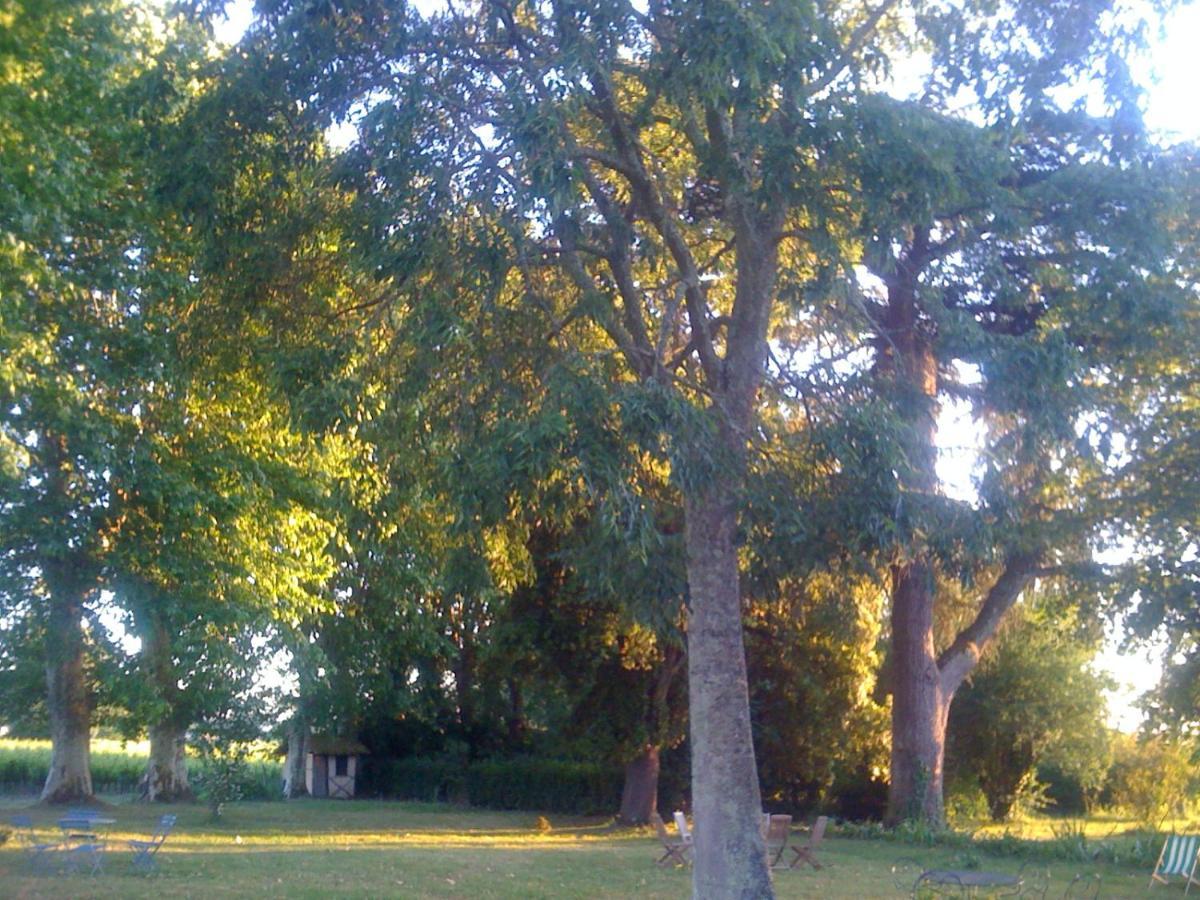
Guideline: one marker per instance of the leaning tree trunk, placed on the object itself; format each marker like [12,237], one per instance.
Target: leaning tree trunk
[67,698]
[639,798]
[730,855]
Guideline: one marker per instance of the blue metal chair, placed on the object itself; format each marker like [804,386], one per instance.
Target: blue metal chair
[39,853]
[145,853]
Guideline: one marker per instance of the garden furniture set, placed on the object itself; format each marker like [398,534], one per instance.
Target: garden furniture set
[82,842]
[776,830]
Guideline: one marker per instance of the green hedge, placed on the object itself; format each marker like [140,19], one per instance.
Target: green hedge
[529,783]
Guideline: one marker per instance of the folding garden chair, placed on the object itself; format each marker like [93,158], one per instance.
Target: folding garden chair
[673,850]
[1178,857]
[807,853]
[778,829]
[39,853]
[145,853]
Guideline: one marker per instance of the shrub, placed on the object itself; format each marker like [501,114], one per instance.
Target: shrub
[222,779]
[1152,779]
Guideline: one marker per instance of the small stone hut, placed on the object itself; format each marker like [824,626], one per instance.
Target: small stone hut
[331,766]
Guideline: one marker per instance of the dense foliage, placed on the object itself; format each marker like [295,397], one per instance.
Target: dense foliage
[578,410]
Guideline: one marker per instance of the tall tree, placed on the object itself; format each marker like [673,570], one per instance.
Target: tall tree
[225,537]
[657,172]
[68,267]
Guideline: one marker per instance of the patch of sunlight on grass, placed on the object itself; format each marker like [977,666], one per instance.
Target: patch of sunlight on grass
[369,849]
[1097,825]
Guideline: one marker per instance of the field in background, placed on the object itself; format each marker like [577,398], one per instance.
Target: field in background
[117,767]
[347,849]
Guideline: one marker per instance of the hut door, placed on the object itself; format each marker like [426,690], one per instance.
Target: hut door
[320,775]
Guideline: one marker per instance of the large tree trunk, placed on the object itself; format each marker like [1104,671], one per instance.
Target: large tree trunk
[919,707]
[730,855]
[923,683]
[293,766]
[67,698]
[639,798]
[907,362]
[166,779]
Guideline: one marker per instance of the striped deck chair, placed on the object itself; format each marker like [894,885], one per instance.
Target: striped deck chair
[1178,857]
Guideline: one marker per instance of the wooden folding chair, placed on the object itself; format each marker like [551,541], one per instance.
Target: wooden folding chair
[778,830]
[675,851]
[807,852]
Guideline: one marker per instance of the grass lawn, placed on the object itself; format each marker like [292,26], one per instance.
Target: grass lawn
[320,849]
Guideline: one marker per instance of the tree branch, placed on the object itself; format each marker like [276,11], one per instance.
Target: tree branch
[957,661]
[859,37]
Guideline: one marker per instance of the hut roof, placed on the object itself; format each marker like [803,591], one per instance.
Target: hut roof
[330,745]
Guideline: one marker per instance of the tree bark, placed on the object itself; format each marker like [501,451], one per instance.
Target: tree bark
[919,705]
[166,779]
[166,776]
[729,856]
[67,697]
[639,798]
[294,764]
[908,365]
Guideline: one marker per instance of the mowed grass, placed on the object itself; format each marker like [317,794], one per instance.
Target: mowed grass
[323,849]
